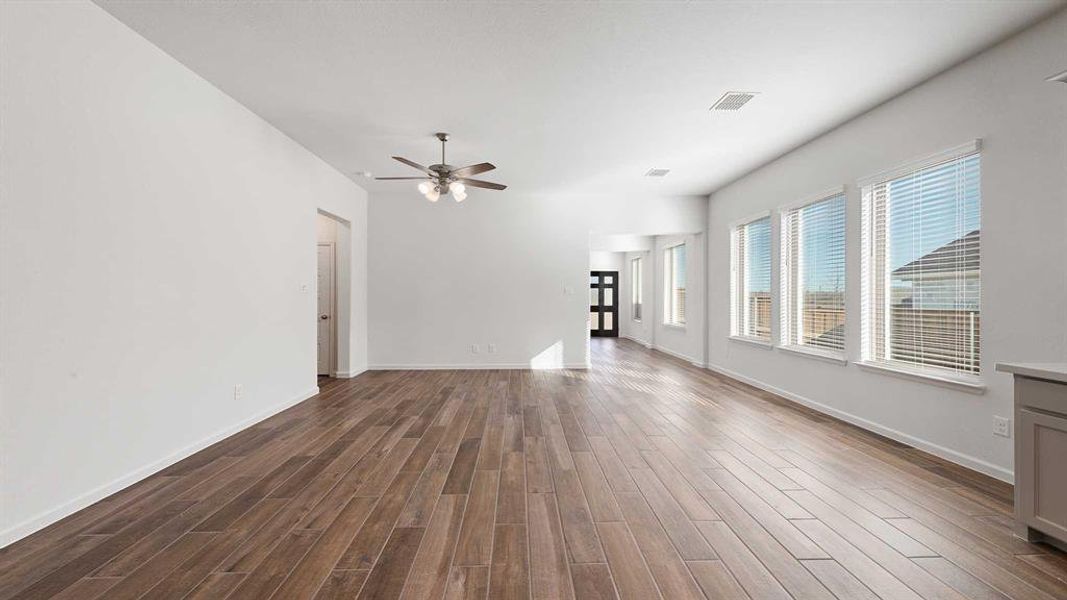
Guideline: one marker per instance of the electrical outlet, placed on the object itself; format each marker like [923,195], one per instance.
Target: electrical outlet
[474,348]
[238,391]
[1002,427]
[491,348]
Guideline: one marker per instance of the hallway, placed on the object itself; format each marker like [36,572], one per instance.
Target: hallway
[640,478]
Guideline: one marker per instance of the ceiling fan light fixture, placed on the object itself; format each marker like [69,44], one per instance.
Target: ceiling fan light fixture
[443,178]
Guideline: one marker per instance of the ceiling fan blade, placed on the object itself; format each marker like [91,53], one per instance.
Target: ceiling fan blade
[412,163]
[472,169]
[396,178]
[489,185]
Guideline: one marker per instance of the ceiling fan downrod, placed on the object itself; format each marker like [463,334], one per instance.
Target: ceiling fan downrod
[444,138]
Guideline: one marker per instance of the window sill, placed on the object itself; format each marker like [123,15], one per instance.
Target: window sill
[674,326]
[753,341]
[815,353]
[967,384]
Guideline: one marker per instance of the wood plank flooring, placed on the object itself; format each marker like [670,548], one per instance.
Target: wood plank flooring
[643,477]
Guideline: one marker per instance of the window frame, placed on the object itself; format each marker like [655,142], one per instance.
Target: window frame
[637,277]
[669,268]
[786,285]
[736,283]
[973,383]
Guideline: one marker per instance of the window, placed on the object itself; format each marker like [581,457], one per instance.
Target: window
[635,289]
[921,284]
[674,280]
[813,274]
[751,280]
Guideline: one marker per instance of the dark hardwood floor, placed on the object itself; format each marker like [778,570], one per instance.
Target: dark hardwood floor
[643,477]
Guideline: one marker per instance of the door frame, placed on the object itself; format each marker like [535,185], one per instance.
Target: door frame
[331,344]
[600,286]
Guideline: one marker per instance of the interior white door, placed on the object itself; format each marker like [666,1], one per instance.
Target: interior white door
[325,315]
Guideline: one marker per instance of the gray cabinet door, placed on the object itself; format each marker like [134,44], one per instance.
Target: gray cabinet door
[1043,476]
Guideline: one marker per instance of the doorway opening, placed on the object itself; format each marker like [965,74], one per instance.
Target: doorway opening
[331,235]
[604,303]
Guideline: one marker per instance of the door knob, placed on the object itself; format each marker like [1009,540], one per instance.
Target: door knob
[324,317]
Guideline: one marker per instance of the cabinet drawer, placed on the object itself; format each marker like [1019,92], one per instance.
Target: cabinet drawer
[1043,472]
[1045,395]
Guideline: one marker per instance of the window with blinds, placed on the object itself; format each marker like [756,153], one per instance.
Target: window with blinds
[751,280]
[635,289]
[813,275]
[674,278]
[921,265]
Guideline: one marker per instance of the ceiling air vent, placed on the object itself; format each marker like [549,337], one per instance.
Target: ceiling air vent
[733,100]
[657,172]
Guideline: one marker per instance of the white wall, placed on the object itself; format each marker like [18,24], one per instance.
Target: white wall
[605,261]
[502,268]
[157,247]
[619,242]
[1001,97]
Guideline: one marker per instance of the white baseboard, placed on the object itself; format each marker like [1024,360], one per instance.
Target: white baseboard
[471,367]
[651,346]
[348,374]
[46,518]
[689,359]
[966,460]
[645,343]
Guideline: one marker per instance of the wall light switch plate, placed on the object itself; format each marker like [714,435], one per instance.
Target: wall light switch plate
[238,391]
[1002,427]
[474,348]
[491,349]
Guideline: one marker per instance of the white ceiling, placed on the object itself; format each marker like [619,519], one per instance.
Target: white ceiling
[568,97]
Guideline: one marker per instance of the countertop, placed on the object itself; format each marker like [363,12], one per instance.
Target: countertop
[1048,371]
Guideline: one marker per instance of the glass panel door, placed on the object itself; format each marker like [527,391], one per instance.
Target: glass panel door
[603,303]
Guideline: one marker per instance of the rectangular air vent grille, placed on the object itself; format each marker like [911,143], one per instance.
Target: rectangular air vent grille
[657,172]
[733,100]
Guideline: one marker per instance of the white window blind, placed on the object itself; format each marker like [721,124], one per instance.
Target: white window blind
[635,289]
[674,265]
[751,280]
[921,266]
[813,275]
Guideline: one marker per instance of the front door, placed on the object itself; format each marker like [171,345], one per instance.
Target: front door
[604,303]
[325,308]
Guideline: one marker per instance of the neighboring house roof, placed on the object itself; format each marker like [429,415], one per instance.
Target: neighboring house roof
[830,337]
[960,255]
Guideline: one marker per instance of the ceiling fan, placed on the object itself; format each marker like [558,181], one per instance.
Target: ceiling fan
[444,178]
